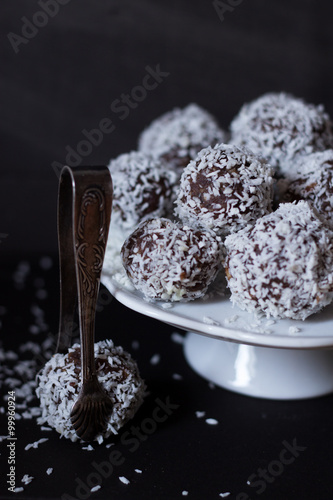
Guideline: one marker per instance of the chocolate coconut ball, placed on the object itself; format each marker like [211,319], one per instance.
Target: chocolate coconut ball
[59,384]
[283,265]
[167,261]
[279,127]
[312,181]
[142,187]
[177,136]
[224,189]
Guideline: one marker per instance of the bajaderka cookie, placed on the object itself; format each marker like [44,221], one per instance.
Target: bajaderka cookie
[283,265]
[312,181]
[224,189]
[169,261]
[280,127]
[178,135]
[59,384]
[142,187]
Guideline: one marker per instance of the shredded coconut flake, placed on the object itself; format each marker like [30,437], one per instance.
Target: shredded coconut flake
[124,479]
[95,488]
[177,338]
[293,330]
[211,421]
[36,443]
[155,359]
[210,321]
[26,479]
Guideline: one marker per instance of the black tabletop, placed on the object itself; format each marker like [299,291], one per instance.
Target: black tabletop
[189,439]
[63,74]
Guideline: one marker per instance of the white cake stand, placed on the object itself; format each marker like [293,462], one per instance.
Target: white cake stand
[282,359]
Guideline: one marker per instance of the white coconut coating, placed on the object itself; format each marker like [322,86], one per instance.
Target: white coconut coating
[279,127]
[283,265]
[59,385]
[179,134]
[142,187]
[168,261]
[224,189]
[312,181]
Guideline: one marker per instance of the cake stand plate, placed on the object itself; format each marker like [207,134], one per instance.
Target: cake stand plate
[236,350]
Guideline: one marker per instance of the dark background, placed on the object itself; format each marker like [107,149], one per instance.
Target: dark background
[63,81]
[66,77]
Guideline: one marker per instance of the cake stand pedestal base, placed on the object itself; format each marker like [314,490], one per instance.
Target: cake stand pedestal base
[263,372]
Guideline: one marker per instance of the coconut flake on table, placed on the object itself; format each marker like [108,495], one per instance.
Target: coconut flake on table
[88,448]
[30,346]
[155,359]
[124,479]
[177,338]
[95,488]
[282,266]
[26,479]
[280,127]
[21,273]
[35,444]
[211,421]
[46,262]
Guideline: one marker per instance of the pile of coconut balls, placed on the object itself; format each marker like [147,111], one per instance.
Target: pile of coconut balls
[256,202]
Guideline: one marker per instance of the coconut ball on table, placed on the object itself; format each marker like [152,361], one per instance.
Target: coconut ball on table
[59,384]
[312,181]
[168,261]
[283,265]
[280,127]
[178,135]
[224,189]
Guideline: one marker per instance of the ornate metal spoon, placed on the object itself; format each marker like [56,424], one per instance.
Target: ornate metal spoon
[84,211]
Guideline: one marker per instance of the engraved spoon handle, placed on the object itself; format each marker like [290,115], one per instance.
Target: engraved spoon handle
[92,213]
[82,234]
